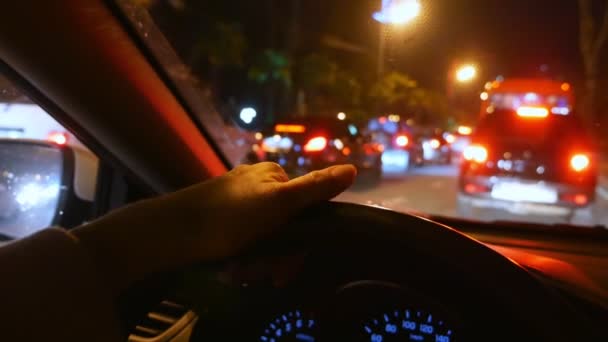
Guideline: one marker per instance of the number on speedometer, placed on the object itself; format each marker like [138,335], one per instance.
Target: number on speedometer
[407,325]
[292,326]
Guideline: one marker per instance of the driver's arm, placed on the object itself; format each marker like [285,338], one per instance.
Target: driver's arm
[63,286]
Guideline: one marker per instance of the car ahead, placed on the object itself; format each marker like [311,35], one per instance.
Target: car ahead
[302,145]
[435,148]
[459,139]
[400,150]
[528,162]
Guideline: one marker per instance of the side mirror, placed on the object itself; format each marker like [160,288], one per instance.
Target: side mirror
[44,184]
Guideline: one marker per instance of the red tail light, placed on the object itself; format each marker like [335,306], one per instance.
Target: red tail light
[472,188]
[475,153]
[578,199]
[579,162]
[58,138]
[315,144]
[402,140]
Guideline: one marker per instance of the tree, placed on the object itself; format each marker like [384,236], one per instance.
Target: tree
[222,44]
[271,69]
[325,87]
[398,93]
[391,91]
[592,38]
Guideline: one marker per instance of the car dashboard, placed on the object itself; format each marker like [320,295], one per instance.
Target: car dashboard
[280,298]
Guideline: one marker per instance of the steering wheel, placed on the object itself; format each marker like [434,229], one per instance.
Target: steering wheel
[492,297]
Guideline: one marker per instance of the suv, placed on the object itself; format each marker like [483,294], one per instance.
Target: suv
[303,145]
[528,162]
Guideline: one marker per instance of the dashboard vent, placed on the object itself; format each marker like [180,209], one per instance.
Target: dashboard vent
[168,321]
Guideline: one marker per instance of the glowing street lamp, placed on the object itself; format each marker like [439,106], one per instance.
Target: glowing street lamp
[466,73]
[397,12]
[247,115]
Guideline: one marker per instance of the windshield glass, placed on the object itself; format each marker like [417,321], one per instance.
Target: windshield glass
[485,110]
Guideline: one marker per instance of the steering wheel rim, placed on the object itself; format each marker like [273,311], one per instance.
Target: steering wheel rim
[347,227]
[420,237]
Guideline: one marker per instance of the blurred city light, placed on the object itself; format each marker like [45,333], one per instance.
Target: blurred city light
[59,138]
[532,112]
[483,96]
[341,116]
[248,114]
[475,153]
[465,130]
[397,12]
[402,141]
[466,73]
[259,136]
[394,118]
[565,86]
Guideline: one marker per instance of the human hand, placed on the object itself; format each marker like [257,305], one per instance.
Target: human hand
[207,221]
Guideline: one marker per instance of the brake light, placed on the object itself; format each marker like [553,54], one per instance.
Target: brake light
[435,144]
[579,162]
[532,112]
[472,188]
[402,141]
[475,153]
[315,144]
[281,128]
[59,138]
[578,199]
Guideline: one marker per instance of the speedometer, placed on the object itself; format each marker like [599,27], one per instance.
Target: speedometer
[291,326]
[407,325]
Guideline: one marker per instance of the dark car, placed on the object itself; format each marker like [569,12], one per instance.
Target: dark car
[302,145]
[401,150]
[435,148]
[528,162]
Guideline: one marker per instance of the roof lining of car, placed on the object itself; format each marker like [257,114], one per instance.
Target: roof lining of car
[90,68]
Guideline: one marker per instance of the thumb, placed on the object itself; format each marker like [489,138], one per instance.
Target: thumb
[317,186]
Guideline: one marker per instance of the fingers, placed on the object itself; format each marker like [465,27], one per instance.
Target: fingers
[317,186]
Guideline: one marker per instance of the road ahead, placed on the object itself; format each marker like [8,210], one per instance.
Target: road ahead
[433,189]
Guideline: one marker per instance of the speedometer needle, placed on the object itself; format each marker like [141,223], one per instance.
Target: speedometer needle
[304,337]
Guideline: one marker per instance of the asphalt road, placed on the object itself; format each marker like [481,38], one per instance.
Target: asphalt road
[433,189]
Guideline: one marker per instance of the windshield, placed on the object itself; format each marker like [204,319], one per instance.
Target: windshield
[484,110]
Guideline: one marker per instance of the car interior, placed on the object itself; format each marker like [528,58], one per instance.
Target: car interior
[338,271]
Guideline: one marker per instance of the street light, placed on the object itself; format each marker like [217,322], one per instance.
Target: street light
[397,12]
[466,73]
[247,115]
[394,12]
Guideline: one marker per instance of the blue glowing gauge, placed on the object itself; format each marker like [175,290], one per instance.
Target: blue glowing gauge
[292,326]
[407,325]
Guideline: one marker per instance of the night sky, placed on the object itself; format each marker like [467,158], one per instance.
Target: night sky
[508,37]
[505,37]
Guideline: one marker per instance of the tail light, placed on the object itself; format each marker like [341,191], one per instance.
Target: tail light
[578,199]
[476,153]
[402,141]
[59,138]
[532,112]
[472,188]
[315,144]
[435,143]
[579,162]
